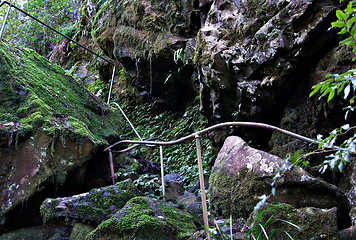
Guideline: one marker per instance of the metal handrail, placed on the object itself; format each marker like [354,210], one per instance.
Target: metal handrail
[72,40]
[220,125]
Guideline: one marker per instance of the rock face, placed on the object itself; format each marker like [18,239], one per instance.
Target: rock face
[154,42]
[251,54]
[241,174]
[146,218]
[49,126]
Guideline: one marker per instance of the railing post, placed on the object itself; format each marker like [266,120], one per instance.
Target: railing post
[111,83]
[5,20]
[162,171]
[112,167]
[202,187]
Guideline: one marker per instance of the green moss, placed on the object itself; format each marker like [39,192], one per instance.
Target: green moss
[96,206]
[313,223]
[233,194]
[38,95]
[137,220]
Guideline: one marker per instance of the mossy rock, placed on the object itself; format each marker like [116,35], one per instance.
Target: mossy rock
[300,223]
[144,218]
[80,231]
[46,232]
[94,207]
[38,95]
[49,124]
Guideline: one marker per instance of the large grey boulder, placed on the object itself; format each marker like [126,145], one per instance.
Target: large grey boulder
[241,174]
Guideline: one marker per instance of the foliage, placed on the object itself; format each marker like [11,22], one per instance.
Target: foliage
[337,84]
[169,125]
[258,230]
[148,182]
[23,31]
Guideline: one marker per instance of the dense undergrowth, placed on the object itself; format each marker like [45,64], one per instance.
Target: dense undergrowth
[170,125]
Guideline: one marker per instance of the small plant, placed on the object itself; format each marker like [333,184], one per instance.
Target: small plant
[148,183]
[259,230]
[337,84]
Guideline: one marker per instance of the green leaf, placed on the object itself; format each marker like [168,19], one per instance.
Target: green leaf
[316,89]
[346,41]
[338,23]
[343,31]
[340,15]
[350,21]
[331,95]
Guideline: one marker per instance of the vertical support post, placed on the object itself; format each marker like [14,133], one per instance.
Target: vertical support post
[5,20]
[111,83]
[112,167]
[162,171]
[202,187]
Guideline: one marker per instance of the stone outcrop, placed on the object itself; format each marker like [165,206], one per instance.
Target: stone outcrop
[241,174]
[251,54]
[154,41]
[49,127]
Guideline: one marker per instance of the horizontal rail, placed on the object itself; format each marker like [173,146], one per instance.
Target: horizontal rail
[221,125]
[63,35]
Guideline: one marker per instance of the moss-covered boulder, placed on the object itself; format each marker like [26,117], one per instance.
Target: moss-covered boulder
[144,218]
[299,223]
[93,207]
[49,125]
[241,174]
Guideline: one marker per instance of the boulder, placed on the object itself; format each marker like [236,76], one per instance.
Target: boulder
[241,174]
[80,231]
[312,223]
[192,203]
[45,232]
[174,186]
[93,207]
[49,127]
[146,218]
